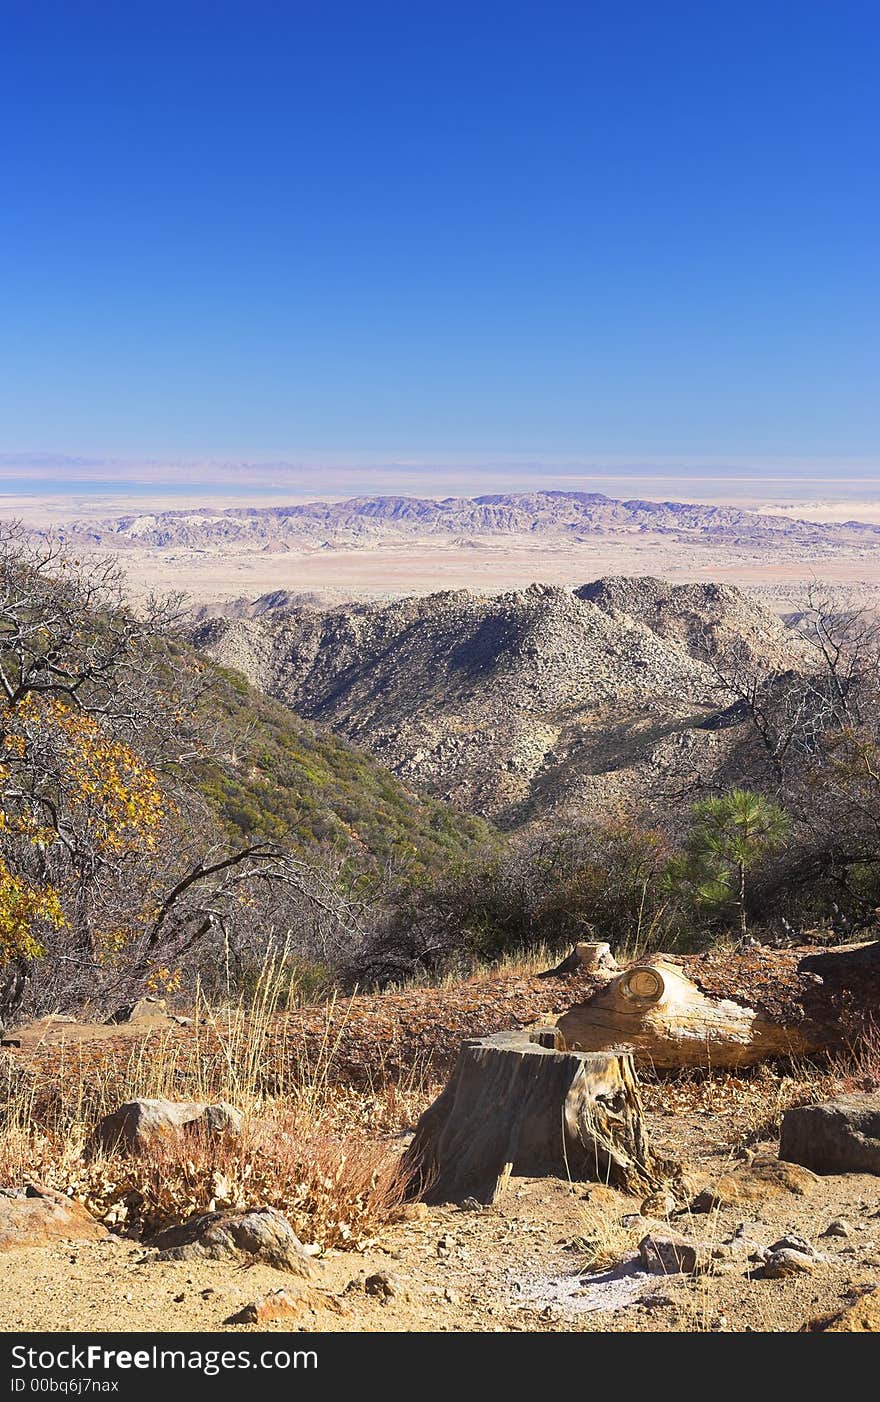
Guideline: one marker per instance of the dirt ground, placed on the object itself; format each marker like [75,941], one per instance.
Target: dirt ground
[526,1264]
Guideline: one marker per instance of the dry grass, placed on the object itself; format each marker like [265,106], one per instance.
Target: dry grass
[324,1154]
[607,1239]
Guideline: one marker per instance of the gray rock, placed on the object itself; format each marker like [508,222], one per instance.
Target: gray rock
[386,1285]
[792,1242]
[839,1227]
[258,1234]
[783,1263]
[140,1125]
[840,1136]
[670,1253]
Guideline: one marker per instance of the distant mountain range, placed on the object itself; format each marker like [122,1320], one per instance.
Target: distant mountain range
[561,515]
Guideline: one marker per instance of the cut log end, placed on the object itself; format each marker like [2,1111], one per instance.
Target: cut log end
[514,1106]
[654,1010]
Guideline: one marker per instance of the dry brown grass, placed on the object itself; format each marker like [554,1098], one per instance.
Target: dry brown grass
[326,1155]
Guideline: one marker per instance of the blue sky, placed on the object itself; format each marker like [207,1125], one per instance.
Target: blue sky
[441,232]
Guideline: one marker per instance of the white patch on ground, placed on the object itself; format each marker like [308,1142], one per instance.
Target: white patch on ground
[579,1293]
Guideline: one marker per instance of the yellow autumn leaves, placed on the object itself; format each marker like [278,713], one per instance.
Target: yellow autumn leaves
[55,761]
[23,906]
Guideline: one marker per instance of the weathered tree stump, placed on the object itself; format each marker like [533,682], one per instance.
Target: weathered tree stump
[585,959]
[514,1106]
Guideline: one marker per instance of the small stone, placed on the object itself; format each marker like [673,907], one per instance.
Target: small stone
[781,1264]
[839,1227]
[386,1285]
[659,1204]
[668,1253]
[278,1304]
[791,1242]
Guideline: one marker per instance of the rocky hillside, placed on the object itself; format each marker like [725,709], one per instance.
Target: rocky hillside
[512,704]
[569,516]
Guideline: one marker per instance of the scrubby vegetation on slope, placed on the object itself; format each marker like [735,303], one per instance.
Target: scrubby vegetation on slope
[282,779]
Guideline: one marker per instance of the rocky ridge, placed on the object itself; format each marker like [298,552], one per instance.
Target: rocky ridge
[509,704]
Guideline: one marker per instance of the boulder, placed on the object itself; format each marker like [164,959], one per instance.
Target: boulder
[141,1125]
[38,1216]
[839,1136]
[765,1177]
[670,1253]
[248,1236]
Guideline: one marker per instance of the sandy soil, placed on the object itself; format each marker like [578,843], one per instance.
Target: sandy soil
[391,570]
[519,1266]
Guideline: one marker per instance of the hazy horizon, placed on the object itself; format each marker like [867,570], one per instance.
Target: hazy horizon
[65,481]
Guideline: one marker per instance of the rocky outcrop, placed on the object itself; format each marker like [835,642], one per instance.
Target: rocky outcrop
[840,1136]
[510,704]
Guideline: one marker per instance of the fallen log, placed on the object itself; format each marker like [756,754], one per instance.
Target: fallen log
[729,1010]
[515,1106]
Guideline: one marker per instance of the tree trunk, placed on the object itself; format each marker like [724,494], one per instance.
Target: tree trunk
[14,980]
[742,900]
[728,1011]
[513,1105]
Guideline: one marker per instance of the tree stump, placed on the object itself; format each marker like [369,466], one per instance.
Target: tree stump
[514,1106]
[585,959]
